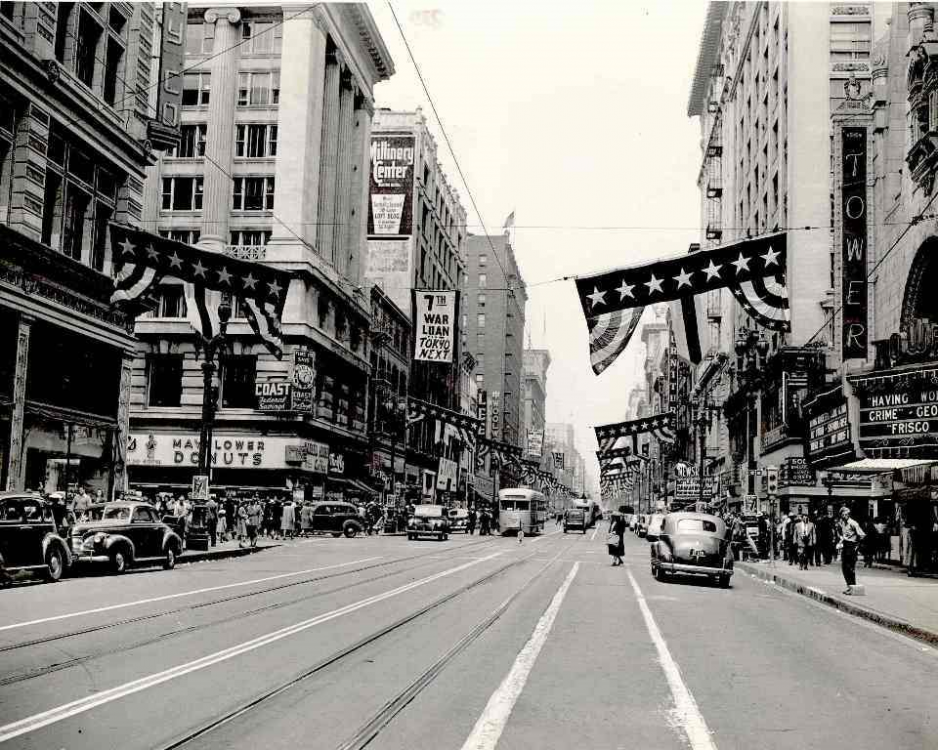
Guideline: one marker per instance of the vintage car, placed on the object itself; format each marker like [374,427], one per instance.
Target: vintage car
[428,520]
[575,518]
[693,544]
[654,527]
[29,539]
[123,534]
[336,518]
[458,520]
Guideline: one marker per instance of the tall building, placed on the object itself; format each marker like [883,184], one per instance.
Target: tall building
[534,400]
[766,167]
[561,438]
[276,115]
[76,106]
[494,311]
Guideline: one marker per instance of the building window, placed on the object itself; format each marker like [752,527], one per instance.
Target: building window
[480,379]
[196,89]
[482,281]
[253,237]
[185,236]
[78,202]
[481,299]
[237,382]
[98,33]
[170,303]
[200,38]
[258,89]
[262,37]
[191,142]
[256,141]
[480,321]
[182,193]
[483,259]
[480,361]
[933,110]
[165,379]
[253,193]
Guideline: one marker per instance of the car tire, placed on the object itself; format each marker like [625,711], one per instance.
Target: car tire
[55,565]
[659,574]
[350,531]
[445,537]
[564,529]
[170,562]
[724,582]
[336,535]
[119,560]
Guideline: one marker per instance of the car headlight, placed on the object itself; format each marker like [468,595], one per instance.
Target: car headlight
[411,523]
[100,537]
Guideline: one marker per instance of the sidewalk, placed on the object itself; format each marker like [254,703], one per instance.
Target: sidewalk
[225,550]
[893,600]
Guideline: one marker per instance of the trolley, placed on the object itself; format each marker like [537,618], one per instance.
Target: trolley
[521,508]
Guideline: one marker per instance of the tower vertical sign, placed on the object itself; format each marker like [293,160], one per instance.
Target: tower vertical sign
[854,299]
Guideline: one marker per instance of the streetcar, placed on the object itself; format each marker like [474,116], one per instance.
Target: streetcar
[521,508]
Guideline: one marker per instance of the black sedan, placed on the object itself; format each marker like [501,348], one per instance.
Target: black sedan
[28,537]
[695,544]
[123,534]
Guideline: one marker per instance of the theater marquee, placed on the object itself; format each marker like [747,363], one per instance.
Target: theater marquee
[898,412]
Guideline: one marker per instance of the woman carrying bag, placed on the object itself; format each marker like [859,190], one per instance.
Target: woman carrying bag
[614,540]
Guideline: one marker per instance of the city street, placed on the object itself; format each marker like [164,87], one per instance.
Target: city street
[475,642]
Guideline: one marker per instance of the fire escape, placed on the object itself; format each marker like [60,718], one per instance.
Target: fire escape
[713,158]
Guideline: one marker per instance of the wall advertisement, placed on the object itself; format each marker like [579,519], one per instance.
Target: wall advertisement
[391,197]
[435,317]
[446,476]
[180,449]
[389,266]
[535,443]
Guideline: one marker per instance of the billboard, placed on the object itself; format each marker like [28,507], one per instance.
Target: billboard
[435,324]
[389,266]
[391,194]
[535,443]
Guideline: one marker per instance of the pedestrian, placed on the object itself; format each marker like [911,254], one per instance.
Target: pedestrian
[181,516]
[870,544]
[882,536]
[242,516]
[211,520]
[221,527]
[81,503]
[805,537]
[471,521]
[306,519]
[484,523]
[520,532]
[231,520]
[615,540]
[255,519]
[287,519]
[849,535]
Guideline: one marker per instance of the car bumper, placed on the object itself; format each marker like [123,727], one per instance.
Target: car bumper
[698,570]
[89,558]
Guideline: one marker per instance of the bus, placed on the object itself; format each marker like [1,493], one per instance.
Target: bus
[521,508]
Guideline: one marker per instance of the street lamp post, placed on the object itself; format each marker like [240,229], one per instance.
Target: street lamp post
[212,348]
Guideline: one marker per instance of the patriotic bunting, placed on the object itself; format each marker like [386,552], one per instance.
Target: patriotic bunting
[753,270]
[558,459]
[142,260]
[659,425]
[467,427]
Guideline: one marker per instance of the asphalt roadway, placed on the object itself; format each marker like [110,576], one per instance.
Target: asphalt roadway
[477,642]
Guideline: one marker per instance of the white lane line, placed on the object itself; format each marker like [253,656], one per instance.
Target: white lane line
[60,713]
[543,536]
[488,729]
[686,711]
[192,592]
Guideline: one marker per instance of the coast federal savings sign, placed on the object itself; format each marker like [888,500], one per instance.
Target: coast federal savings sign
[228,451]
[898,410]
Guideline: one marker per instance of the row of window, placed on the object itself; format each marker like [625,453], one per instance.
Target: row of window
[255,89]
[87,33]
[258,38]
[251,141]
[248,193]
[256,237]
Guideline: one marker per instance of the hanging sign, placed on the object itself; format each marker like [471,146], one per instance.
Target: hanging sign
[304,380]
[434,324]
[854,298]
[535,442]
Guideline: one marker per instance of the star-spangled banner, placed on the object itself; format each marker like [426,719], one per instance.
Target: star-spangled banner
[624,452]
[660,425]
[753,270]
[467,427]
[142,260]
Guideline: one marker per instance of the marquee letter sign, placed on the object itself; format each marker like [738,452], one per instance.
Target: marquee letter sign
[854,251]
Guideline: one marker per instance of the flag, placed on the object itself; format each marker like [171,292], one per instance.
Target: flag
[753,270]
[509,221]
[558,459]
[142,260]
[659,425]
[609,334]
[688,323]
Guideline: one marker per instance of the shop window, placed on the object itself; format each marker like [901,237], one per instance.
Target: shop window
[238,375]
[165,379]
[191,141]
[196,89]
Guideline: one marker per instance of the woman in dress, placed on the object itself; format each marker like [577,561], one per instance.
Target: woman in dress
[221,528]
[242,522]
[287,519]
[615,540]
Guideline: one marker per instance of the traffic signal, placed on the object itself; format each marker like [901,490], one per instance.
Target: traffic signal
[771,480]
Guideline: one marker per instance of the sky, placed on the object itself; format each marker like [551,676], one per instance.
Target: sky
[574,116]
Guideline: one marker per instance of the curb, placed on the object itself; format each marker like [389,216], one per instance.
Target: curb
[892,623]
[201,556]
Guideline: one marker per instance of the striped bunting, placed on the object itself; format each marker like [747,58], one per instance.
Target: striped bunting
[609,334]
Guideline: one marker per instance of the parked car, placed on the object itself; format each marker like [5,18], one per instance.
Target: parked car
[124,534]
[336,518]
[458,520]
[575,518]
[693,544]
[428,520]
[29,539]
[655,522]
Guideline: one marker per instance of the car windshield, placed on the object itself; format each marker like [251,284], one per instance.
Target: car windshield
[691,525]
[511,504]
[105,513]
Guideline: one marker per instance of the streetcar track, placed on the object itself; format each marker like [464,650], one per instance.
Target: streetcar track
[397,704]
[223,600]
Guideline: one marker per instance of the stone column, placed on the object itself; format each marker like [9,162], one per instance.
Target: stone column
[216,202]
[921,19]
[299,135]
[329,154]
[15,458]
[340,249]
[357,238]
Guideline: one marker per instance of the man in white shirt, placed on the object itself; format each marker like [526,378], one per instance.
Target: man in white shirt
[849,534]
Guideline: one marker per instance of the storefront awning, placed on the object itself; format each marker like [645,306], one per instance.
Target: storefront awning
[361,486]
[882,465]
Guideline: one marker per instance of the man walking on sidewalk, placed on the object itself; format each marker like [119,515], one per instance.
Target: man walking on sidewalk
[850,535]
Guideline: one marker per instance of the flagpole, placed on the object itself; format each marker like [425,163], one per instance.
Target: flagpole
[212,347]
